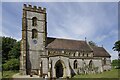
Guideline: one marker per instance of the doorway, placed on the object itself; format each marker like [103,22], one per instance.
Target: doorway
[59,69]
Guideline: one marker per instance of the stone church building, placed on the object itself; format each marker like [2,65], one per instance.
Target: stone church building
[56,57]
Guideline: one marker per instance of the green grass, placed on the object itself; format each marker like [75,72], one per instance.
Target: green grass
[8,74]
[107,74]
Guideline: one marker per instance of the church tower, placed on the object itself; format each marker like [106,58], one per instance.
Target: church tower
[34,37]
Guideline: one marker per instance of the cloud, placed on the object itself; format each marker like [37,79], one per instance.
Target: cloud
[79,20]
[114,55]
[111,34]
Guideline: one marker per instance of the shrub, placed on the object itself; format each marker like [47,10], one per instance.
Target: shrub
[12,64]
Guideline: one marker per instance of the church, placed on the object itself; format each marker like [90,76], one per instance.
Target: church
[56,57]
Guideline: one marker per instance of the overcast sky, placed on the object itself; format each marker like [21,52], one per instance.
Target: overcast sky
[96,21]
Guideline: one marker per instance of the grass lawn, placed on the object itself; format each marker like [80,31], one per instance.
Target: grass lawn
[107,74]
[8,74]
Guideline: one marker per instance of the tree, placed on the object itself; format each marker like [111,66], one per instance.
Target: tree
[91,43]
[117,48]
[115,63]
[15,51]
[12,64]
[7,45]
[10,53]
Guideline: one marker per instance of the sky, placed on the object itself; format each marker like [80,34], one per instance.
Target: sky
[97,21]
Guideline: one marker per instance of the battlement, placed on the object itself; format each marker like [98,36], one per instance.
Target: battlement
[34,8]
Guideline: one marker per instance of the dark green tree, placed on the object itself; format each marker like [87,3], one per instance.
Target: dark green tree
[117,48]
[7,45]
[15,51]
[115,62]
[12,64]
[10,53]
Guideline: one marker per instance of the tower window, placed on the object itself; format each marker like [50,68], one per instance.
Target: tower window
[34,21]
[34,33]
[75,64]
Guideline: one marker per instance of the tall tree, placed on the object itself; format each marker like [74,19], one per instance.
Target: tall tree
[117,48]
[15,51]
[7,45]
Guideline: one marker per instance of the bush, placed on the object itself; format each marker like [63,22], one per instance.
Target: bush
[116,64]
[12,64]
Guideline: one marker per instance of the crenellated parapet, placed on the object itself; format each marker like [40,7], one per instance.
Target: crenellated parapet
[34,8]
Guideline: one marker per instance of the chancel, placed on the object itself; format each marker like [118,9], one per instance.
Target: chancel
[56,57]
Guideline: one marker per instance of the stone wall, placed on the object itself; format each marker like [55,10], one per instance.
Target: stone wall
[107,66]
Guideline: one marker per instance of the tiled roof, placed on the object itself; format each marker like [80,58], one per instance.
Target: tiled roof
[100,52]
[66,44]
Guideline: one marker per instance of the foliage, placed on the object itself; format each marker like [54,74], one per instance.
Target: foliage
[7,44]
[91,43]
[115,63]
[10,53]
[117,46]
[15,51]
[12,64]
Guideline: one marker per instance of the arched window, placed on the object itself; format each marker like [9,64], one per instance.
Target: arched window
[75,64]
[34,21]
[104,61]
[87,55]
[91,64]
[34,33]
[73,54]
[69,54]
[83,54]
[78,54]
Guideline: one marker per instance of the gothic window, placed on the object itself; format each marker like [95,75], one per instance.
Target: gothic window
[104,61]
[83,54]
[75,64]
[48,52]
[73,54]
[34,33]
[91,64]
[34,21]
[78,54]
[69,54]
[87,55]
